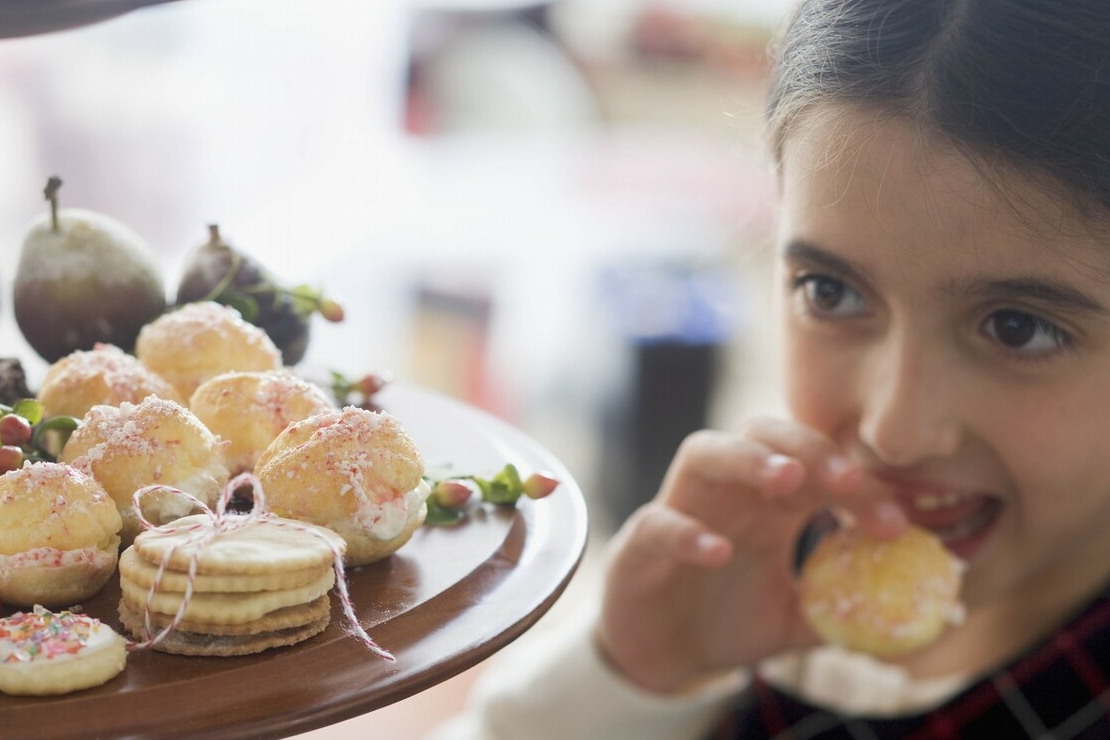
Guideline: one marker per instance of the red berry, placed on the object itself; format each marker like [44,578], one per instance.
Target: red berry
[331,310]
[11,458]
[368,385]
[538,485]
[451,493]
[14,430]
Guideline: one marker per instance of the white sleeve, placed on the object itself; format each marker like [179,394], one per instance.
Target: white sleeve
[563,688]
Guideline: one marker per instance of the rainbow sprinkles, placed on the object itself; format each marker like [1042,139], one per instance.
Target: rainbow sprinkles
[44,652]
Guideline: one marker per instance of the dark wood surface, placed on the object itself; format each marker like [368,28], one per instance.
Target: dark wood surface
[450,598]
[29,17]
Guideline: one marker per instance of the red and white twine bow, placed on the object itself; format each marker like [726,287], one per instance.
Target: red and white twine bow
[221,522]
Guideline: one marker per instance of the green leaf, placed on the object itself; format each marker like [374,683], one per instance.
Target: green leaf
[306,299]
[29,409]
[49,437]
[307,292]
[441,516]
[505,488]
[510,477]
[241,302]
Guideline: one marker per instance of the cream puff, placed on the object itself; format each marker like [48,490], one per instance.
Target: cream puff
[59,535]
[885,597]
[249,410]
[199,341]
[353,471]
[131,446]
[103,375]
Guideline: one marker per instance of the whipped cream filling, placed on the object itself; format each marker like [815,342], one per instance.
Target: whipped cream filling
[50,557]
[388,519]
[163,507]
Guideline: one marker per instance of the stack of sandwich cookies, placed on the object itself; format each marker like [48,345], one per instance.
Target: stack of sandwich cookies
[229,585]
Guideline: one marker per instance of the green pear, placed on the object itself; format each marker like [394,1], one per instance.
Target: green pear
[83,278]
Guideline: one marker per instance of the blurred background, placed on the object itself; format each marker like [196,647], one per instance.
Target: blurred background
[557,211]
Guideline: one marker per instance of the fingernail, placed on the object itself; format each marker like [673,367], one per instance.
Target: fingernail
[838,466]
[707,542]
[774,465]
[711,548]
[777,462]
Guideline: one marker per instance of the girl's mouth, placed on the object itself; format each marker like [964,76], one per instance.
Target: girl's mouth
[962,521]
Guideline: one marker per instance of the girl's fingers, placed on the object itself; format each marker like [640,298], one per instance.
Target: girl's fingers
[827,468]
[884,519]
[777,459]
[733,459]
[656,529]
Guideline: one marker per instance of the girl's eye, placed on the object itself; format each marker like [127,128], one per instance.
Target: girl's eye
[1017,330]
[827,296]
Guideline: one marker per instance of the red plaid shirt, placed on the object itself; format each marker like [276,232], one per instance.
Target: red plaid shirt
[1059,690]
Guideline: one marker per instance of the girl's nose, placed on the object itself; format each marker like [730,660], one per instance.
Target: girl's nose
[910,411]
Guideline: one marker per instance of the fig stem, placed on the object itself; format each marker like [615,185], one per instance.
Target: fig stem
[51,193]
[225,280]
[214,232]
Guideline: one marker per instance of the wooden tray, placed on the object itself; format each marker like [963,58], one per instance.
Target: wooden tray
[450,598]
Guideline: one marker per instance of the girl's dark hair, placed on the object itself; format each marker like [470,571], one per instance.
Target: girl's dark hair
[1024,81]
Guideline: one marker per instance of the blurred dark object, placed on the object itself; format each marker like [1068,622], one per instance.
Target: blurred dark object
[13,382]
[674,321]
[29,17]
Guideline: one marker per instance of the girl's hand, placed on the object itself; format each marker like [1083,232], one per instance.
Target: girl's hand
[701,579]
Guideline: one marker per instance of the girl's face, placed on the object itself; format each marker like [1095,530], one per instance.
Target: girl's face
[955,340]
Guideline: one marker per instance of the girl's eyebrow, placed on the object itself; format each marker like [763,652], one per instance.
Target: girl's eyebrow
[1061,295]
[804,251]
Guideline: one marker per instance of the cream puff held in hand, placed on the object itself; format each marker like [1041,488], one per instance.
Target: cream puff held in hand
[887,598]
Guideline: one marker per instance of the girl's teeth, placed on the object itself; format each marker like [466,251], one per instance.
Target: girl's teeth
[962,529]
[932,502]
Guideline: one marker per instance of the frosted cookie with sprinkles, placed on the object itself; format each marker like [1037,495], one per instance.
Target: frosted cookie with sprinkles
[250,409]
[130,446]
[44,653]
[59,536]
[104,375]
[353,471]
[198,341]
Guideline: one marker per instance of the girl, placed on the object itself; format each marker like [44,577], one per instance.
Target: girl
[944,170]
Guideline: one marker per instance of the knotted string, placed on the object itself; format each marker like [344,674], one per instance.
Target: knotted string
[200,535]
